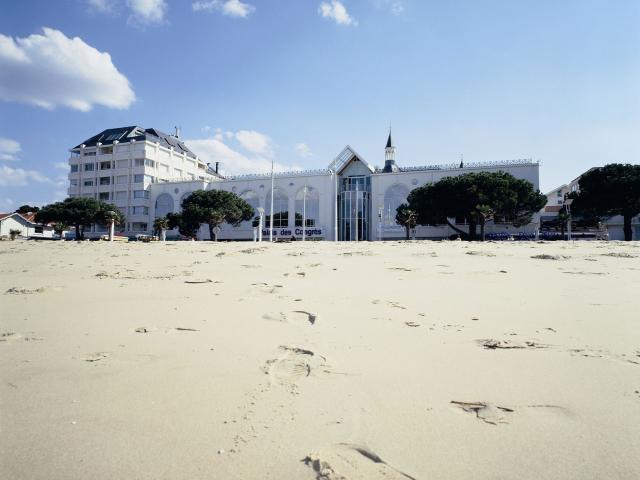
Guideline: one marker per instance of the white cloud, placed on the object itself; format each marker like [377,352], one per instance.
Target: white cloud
[206,128]
[397,8]
[232,162]
[101,6]
[9,149]
[303,150]
[18,177]
[255,142]
[336,11]
[51,70]
[231,8]
[147,12]
[61,166]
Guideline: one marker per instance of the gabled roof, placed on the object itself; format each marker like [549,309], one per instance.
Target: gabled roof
[126,134]
[346,156]
[28,217]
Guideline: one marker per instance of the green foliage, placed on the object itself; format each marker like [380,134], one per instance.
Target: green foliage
[80,212]
[27,209]
[406,217]
[213,208]
[478,197]
[14,232]
[610,190]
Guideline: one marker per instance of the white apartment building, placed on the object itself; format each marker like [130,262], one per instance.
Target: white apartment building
[119,165]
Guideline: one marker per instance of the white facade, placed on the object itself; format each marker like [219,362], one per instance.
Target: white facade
[350,200]
[28,228]
[121,172]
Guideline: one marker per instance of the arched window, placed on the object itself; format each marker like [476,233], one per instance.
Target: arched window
[309,209]
[395,196]
[252,199]
[184,195]
[280,207]
[164,205]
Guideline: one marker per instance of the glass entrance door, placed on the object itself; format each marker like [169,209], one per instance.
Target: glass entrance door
[355,209]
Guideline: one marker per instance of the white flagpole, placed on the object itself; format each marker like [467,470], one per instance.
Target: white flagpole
[271,219]
[357,228]
[304,213]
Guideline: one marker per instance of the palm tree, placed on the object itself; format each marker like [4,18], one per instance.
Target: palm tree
[563,218]
[160,226]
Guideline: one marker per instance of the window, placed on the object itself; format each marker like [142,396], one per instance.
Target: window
[88,183]
[149,178]
[122,164]
[105,165]
[138,178]
[164,205]
[39,229]
[138,162]
[89,167]
[140,210]
[149,163]
[395,196]
[73,183]
[121,179]
[89,154]
[140,194]
[139,226]
[309,209]
[280,207]
[103,196]
[106,150]
[74,168]
[105,180]
[177,172]
[559,193]
[121,195]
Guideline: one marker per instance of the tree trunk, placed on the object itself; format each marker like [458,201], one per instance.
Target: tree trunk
[212,235]
[462,233]
[628,235]
[77,231]
[482,220]
[562,230]
[472,230]
[407,228]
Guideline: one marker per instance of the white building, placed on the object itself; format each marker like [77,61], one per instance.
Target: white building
[120,164]
[26,224]
[348,200]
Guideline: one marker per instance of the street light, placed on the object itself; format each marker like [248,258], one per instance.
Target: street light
[271,219]
[567,204]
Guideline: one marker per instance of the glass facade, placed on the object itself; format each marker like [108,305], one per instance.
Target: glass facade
[354,212]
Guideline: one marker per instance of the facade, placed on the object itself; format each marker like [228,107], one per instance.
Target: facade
[614,225]
[26,224]
[349,200]
[120,164]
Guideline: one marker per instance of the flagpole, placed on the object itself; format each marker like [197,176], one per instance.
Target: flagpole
[304,212]
[271,219]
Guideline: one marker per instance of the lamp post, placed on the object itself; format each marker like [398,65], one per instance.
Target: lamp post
[336,204]
[568,203]
[380,210]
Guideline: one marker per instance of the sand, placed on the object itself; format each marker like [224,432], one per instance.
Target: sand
[416,360]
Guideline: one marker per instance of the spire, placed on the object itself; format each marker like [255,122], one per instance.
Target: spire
[389,142]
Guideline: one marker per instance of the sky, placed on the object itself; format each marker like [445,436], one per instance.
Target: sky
[294,81]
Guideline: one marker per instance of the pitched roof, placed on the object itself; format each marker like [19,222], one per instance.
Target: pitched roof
[126,134]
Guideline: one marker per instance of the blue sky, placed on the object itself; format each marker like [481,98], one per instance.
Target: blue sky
[296,80]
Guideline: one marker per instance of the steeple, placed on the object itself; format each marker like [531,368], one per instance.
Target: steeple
[390,156]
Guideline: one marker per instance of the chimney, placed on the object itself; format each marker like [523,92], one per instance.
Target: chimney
[217,165]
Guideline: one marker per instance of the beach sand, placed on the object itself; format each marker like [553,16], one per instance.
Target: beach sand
[398,360]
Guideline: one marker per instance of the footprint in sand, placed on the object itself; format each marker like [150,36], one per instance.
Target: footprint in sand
[11,337]
[296,315]
[496,414]
[293,365]
[24,291]
[266,288]
[95,356]
[345,461]
[492,344]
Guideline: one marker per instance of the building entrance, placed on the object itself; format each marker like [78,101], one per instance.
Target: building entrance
[354,213]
